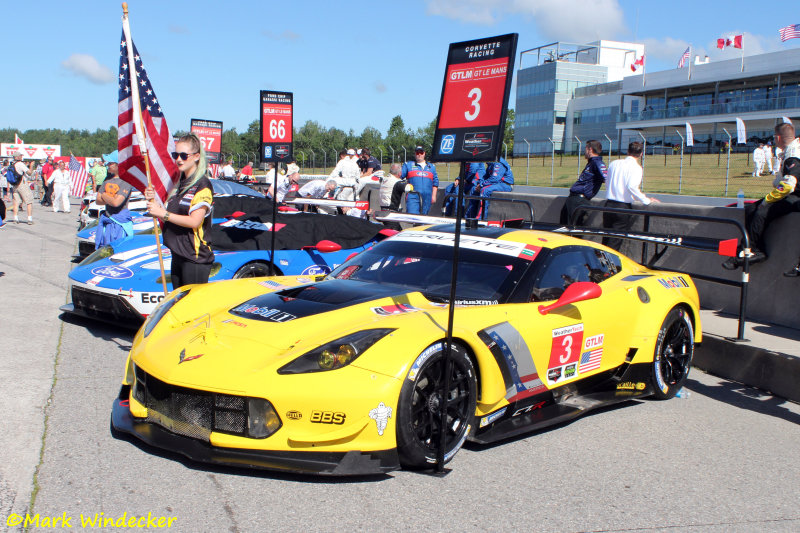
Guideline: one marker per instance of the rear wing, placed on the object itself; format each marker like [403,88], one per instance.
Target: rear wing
[392,216]
[726,247]
[361,204]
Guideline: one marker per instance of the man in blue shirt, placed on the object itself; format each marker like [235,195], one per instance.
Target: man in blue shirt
[475,173]
[422,176]
[368,163]
[498,177]
[589,182]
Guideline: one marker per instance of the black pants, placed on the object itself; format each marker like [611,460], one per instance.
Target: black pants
[617,222]
[46,194]
[185,272]
[762,214]
[570,205]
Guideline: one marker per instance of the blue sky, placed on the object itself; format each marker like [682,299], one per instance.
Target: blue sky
[349,65]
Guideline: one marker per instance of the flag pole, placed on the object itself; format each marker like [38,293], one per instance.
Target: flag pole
[742,43]
[644,69]
[140,132]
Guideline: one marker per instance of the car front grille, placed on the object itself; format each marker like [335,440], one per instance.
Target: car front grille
[190,412]
[104,306]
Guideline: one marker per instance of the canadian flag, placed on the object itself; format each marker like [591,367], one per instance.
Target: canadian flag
[636,65]
[724,42]
[17,140]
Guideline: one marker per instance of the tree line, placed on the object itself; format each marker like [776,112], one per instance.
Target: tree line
[312,140]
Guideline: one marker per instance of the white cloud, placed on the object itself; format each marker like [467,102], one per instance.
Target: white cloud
[567,20]
[87,66]
[477,11]
[752,44]
[380,86]
[667,49]
[286,35]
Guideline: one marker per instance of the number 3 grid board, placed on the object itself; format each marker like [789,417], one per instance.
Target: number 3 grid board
[475,92]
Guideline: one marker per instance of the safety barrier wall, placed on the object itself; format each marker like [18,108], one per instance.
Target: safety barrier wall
[772,297]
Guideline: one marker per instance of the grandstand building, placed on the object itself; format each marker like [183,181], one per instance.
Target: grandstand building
[593,93]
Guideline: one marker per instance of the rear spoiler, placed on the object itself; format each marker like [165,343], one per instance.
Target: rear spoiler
[725,247]
[361,204]
[390,216]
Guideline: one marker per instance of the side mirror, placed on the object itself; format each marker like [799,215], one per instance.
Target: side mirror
[328,246]
[577,292]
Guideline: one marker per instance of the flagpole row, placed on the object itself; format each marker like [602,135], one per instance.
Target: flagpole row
[140,132]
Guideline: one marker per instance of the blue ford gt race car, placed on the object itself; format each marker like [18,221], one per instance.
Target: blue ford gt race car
[143,224]
[122,283]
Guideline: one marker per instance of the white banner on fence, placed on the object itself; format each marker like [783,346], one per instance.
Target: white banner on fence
[741,134]
[689,135]
[30,151]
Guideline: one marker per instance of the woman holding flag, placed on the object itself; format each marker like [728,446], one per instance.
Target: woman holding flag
[187,215]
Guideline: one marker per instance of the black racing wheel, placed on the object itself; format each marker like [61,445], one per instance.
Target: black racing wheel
[673,354]
[254,270]
[419,427]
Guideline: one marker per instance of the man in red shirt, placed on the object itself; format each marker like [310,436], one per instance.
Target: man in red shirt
[246,174]
[47,169]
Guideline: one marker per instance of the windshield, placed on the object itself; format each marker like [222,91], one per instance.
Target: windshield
[488,269]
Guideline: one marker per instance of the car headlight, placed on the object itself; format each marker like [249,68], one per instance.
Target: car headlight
[161,310]
[262,420]
[97,255]
[335,354]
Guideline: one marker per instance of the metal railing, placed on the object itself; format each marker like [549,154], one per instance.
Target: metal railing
[723,108]
[702,244]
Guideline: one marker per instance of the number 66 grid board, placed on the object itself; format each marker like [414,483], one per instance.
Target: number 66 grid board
[276,126]
[472,110]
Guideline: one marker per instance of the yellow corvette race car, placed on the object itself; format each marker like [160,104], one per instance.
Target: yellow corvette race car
[343,374]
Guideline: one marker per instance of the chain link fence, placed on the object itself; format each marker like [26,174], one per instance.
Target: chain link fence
[665,171]
[721,173]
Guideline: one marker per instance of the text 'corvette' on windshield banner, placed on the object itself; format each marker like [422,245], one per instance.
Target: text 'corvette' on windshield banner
[510,248]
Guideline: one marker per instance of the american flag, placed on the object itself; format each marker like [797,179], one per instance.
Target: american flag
[790,32]
[590,360]
[79,176]
[684,57]
[160,144]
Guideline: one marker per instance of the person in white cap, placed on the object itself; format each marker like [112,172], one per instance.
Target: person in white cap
[346,175]
[61,181]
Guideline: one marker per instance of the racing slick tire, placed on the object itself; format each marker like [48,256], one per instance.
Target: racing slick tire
[672,359]
[418,410]
[256,269]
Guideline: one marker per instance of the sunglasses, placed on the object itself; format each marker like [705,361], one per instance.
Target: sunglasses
[182,155]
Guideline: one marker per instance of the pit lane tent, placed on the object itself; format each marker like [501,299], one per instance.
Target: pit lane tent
[251,230]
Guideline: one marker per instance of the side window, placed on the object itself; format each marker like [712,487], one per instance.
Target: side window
[602,265]
[562,268]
